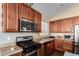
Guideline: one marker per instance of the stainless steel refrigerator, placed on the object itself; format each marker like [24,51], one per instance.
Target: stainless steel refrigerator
[76,39]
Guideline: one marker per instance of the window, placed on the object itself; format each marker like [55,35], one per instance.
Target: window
[44,27]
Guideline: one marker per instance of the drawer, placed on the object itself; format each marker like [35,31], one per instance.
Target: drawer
[68,42]
[68,45]
[68,49]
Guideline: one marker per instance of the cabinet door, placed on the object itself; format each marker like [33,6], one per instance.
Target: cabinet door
[41,51]
[38,22]
[56,26]
[76,20]
[10,17]
[23,11]
[52,46]
[67,25]
[68,45]
[59,26]
[59,44]
[48,48]
[51,26]
[32,14]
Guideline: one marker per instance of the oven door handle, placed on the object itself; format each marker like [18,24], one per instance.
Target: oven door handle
[31,53]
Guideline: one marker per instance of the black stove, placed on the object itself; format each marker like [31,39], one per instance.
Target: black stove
[27,44]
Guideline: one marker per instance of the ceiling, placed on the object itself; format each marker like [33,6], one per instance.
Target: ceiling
[53,9]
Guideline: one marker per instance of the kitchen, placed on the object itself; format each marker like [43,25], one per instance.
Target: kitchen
[25,29]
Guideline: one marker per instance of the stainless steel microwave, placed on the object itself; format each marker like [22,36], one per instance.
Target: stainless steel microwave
[27,25]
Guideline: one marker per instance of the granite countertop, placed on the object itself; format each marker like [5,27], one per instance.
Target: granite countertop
[49,39]
[9,50]
[70,54]
[44,40]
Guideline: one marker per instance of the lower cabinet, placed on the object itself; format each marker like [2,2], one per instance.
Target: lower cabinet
[46,48]
[59,44]
[68,46]
[42,50]
[17,54]
[63,45]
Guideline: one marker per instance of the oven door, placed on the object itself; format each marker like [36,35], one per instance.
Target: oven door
[33,53]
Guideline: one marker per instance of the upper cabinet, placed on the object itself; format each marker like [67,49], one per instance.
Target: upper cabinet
[51,25]
[67,25]
[38,20]
[64,25]
[23,11]
[55,26]
[10,17]
[59,26]
[32,14]
[76,20]
[12,12]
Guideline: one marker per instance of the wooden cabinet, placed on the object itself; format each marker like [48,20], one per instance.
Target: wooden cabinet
[10,17]
[17,54]
[51,27]
[55,26]
[12,12]
[63,45]
[23,11]
[67,25]
[59,26]
[52,45]
[46,48]
[42,50]
[32,14]
[75,20]
[49,47]
[39,20]
[59,44]
[68,45]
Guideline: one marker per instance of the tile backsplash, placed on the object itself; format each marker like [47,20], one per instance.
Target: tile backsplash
[11,37]
[57,35]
